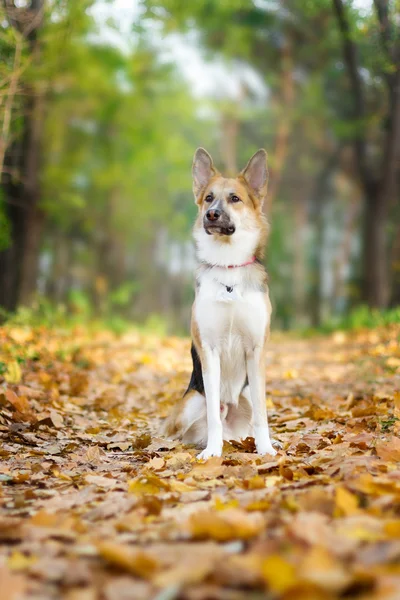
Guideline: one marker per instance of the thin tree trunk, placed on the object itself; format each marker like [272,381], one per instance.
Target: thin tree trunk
[284,127]
[395,269]
[344,252]
[318,201]
[10,98]
[299,262]
[229,137]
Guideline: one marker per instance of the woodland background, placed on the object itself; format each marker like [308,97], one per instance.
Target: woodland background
[102,105]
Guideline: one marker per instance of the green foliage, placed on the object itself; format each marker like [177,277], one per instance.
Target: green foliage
[387,424]
[361,317]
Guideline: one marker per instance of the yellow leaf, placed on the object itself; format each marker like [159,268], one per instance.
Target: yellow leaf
[272,480]
[21,335]
[13,373]
[229,524]
[258,505]
[147,359]
[324,570]
[278,574]
[393,362]
[44,519]
[156,463]
[362,534]
[19,562]
[221,505]
[392,528]
[255,483]
[270,403]
[137,563]
[180,486]
[291,374]
[346,502]
[147,484]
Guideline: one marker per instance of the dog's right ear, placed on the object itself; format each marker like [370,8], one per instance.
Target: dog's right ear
[203,169]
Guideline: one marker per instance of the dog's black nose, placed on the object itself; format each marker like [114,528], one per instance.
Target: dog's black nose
[213,215]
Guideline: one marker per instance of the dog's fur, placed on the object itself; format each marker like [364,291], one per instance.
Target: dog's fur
[231,313]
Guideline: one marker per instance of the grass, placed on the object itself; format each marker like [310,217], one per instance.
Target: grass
[361,317]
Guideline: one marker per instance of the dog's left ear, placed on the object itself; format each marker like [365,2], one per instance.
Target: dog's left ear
[255,174]
[203,169]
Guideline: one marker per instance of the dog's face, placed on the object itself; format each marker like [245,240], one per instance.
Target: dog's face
[230,209]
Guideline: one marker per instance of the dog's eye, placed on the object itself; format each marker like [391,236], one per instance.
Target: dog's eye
[235,198]
[209,198]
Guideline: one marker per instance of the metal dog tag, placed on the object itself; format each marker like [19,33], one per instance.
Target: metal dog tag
[228,294]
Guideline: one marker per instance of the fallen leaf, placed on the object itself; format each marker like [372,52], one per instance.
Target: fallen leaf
[279,575]
[138,563]
[13,373]
[225,525]
[389,450]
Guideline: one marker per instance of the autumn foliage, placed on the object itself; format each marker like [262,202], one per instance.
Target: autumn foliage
[96,505]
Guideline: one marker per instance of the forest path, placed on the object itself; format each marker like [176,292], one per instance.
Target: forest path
[96,506]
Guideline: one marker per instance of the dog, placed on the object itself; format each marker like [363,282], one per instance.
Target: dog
[231,313]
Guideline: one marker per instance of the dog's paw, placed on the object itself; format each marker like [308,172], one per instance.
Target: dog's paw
[209,451]
[265,448]
[264,442]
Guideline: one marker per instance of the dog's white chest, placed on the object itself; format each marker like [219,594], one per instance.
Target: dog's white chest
[230,315]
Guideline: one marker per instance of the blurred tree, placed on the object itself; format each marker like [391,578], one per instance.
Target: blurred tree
[378,170]
[20,161]
[113,153]
[297,47]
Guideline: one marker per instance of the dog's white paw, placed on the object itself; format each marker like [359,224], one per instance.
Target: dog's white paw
[263,441]
[265,448]
[210,451]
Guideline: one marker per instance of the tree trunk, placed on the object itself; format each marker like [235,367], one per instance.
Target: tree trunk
[284,126]
[18,264]
[343,257]
[318,201]
[229,137]
[34,217]
[299,262]
[10,259]
[395,264]
[375,264]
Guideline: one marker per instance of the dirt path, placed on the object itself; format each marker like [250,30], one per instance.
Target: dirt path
[96,506]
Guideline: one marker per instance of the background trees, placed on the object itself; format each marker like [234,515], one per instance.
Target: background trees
[99,121]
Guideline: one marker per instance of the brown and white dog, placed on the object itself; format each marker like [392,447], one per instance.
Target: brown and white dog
[231,313]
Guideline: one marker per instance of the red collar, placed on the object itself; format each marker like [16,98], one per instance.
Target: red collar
[249,262]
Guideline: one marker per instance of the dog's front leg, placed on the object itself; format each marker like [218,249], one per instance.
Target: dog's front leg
[212,388]
[256,375]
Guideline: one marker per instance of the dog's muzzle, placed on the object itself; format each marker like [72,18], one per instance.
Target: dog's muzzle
[216,221]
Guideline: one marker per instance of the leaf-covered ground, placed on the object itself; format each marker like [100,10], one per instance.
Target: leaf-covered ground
[95,505]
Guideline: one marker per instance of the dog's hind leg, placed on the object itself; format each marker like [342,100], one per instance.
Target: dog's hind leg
[194,420]
[244,403]
[238,421]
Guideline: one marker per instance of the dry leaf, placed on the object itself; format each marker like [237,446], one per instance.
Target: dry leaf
[225,525]
[138,563]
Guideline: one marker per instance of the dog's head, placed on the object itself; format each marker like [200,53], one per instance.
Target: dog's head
[230,209]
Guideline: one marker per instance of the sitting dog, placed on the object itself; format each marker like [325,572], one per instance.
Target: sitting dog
[231,312]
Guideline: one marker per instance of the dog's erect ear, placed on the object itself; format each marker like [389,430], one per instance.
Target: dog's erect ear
[203,169]
[255,174]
